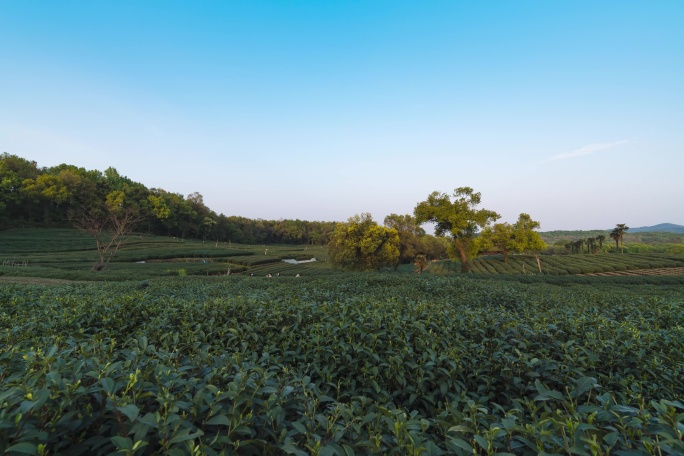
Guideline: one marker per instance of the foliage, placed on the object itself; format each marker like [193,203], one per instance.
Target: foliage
[411,237]
[420,262]
[349,364]
[520,237]
[458,219]
[45,196]
[619,234]
[363,245]
[109,224]
[498,237]
[525,238]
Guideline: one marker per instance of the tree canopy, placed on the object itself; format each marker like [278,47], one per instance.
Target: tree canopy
[526,238]
[458,219]
[520,237]
[498,237]
[618,235]
[363,245]
[31,195]
[410,237]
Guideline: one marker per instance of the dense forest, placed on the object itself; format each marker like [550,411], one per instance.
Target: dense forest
[51,196]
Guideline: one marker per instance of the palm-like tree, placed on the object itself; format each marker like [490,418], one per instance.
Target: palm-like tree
[600,238]
[591,245]
[621,228]
[615,235]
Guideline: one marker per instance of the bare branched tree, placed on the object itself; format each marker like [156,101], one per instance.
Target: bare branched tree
[109,226]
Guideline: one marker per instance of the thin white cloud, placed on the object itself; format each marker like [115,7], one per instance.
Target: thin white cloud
[588,150]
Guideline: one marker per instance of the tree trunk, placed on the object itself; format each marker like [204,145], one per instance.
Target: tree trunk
[465,266]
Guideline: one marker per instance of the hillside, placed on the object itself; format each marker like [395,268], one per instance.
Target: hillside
[631,237]
[660,228]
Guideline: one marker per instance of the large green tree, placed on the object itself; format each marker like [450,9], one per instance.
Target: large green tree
[410,237]
[497,237]
[520,237]
[527,239]
[363,245]
[458,219]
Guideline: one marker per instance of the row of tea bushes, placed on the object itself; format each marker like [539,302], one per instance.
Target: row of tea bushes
[347,364]
[569,264]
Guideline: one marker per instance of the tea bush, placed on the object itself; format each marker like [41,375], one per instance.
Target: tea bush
[346,364]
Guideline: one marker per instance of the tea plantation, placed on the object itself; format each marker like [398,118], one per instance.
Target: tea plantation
[342,364]
[67,254]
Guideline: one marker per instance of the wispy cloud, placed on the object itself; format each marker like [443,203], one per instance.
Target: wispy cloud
[588,150]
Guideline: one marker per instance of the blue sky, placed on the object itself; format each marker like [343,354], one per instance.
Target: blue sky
[570,111]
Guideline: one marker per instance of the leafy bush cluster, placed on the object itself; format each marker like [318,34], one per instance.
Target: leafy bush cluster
[349,364]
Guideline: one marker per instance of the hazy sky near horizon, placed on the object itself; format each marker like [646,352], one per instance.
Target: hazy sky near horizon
[571,111]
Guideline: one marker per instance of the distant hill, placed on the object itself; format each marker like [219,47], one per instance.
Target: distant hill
[664,233]
[660,228]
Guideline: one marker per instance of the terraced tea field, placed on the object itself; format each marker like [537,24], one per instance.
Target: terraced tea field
[642,272]
[659,264]
[69,254]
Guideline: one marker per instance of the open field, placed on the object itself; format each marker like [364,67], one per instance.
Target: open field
[345,364]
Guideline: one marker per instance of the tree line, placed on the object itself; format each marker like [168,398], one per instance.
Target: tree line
[594,244]
[465,230]
[108,206]
[63,195]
